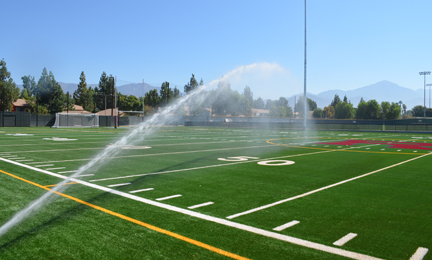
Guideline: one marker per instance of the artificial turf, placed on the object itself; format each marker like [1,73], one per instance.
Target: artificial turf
[388,210]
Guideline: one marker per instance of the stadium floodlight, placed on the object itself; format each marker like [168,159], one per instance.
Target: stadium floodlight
[424,73]
[76,120]
[429,94]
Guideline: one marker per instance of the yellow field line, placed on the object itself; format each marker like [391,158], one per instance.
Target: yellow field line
[63,184]
[154,228]
[342,150]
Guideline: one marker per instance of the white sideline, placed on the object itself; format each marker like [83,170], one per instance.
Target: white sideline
[289,239]
[320,189]
[419,253]
[345,239]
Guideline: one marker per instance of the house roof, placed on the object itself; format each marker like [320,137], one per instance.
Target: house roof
[20,103]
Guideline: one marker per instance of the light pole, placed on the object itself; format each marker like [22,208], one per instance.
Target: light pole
[424,73]
[429,94]
[304,95]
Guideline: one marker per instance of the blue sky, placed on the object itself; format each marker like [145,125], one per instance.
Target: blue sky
[351,43]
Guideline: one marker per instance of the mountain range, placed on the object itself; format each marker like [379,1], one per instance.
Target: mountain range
[380,91]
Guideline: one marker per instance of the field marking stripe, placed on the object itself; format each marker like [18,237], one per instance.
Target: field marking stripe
[135,191]
[151,227]
[287,225]
[119,184]
[169,197]
[345,239]
[419,253]
[320,189]
[201,205]
[289,239]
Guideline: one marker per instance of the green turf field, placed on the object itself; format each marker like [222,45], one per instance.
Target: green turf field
[218,193]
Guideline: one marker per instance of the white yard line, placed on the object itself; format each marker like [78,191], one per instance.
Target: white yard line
[135,191]
[72,172]
[270,234]
[201,205]
[119,184]
[320,189]
[169,197]
[28,160]
[419,253]
[44,165]
[84,175]
[345,239]
[57,168]
[287,225]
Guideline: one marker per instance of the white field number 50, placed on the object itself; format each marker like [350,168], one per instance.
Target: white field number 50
[266,163]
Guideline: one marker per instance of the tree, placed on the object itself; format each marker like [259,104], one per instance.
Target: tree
[361,112]
[50,93]
[269,104]
[258,103]
[385,108]
[335,101]
[166,94]
[318,113]
[152,98]
[373,109]
[248,95]
[344,110]
[369,110]
[404,109]
[84,96]
[299,105]
[394,111]
[345,99]
[176,92]
[8,88]
[104,92]
[418,111]
[29,86]
[193,84]
[280,108]
[329,112]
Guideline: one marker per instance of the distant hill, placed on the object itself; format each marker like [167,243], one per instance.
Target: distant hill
[380,91]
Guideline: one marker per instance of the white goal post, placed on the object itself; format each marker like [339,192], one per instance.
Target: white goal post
[76,120]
